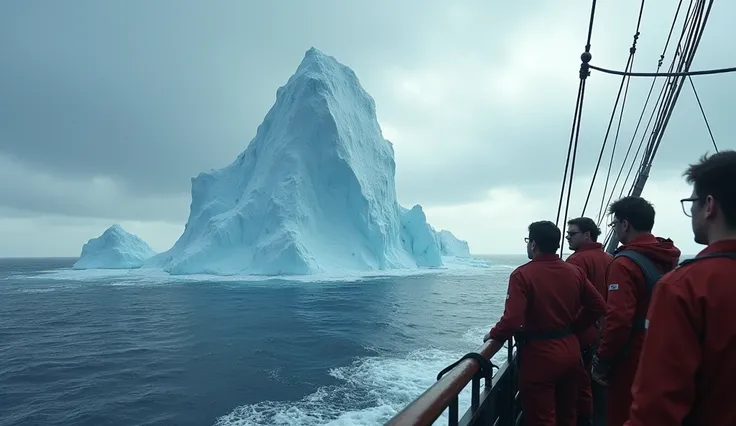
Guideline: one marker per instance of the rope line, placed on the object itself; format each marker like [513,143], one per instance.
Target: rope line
[674,74]
[584,73]
[671,90]
[572,148]
[689,61]
[660,62]
[671,95]
[679,69]
[702,111]
[613,150]
[629,64]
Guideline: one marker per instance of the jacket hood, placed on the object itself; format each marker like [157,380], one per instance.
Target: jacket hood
[660,250]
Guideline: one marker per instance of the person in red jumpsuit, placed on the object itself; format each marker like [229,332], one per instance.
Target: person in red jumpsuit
[588,255]
[548,301]
[687,369]
[618,353]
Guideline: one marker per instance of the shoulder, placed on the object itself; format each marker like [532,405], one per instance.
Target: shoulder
[622,269]
[573,267]
[600,254]
[577,258]
[622,263]
[520,270]
[675,279]
[687,274]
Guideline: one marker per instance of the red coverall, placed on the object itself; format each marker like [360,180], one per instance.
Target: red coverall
[628,298]
[593,261]
[547,295]
[688,364]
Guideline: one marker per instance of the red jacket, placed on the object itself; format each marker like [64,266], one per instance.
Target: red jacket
[594,262]
[687,370]
[547,294]
[628,296]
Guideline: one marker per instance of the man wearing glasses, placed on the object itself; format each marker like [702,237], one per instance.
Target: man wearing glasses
[687,369]
[637,265]
[548,302]
[589,256]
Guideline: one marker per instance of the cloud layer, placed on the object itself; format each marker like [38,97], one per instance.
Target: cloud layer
[109,109]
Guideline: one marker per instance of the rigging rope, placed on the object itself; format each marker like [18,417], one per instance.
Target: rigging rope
[680,53]
[660,62]
[697,98]
[602,212]
[694,35]
[664,107]
[674,74]
[660,106]
[613,150]
[575,132]
[672,86]
[689,61]
[626,80]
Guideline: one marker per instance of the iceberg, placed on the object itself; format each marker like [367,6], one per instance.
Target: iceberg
[451,245]
[313,192]
[419,238]
[114,249]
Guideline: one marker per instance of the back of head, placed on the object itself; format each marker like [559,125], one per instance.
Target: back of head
[546,236]
[715,176]
[637,211]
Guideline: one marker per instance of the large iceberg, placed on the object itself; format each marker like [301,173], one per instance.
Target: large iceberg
[114,249]
[313,192]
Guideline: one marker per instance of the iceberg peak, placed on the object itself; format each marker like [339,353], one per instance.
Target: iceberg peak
[313,191]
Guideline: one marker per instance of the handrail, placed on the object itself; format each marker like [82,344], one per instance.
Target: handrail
[430,405]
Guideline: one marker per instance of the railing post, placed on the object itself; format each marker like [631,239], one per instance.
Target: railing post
[453,415]
[512,380]
[475,393]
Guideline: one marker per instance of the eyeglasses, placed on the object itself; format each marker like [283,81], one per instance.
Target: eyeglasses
[526,240]
[572,234]
[686,204]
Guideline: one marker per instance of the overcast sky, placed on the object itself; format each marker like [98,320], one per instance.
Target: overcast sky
[107,109]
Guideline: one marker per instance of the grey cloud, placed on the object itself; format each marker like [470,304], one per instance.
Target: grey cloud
[148,94]
[28,192]
[151,93]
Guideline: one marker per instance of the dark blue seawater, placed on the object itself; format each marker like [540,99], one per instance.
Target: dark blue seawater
[124,350]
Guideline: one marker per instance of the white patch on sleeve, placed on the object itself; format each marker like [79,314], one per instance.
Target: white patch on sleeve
[507,296]
[646,324]
[612,287]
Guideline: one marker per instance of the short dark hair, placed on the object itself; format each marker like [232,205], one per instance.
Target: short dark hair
[546,235]
[715,175]
[586,224]
[635,210]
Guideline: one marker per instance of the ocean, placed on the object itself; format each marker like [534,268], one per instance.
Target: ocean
[132,350]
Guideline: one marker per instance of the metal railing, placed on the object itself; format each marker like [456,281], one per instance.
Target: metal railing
[495,403]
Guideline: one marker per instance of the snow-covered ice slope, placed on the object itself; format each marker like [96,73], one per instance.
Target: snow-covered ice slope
[419,238]
[450,245]
[313,192]
[114,249]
